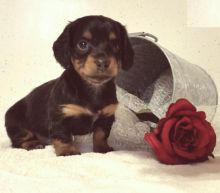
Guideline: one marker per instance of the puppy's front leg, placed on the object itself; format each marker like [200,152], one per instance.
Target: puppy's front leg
[62,142]
[101,133]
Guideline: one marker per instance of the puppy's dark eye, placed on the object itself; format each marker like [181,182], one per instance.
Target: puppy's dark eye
[83,46]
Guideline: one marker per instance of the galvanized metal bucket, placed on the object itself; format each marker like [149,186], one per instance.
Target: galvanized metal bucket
[159,77]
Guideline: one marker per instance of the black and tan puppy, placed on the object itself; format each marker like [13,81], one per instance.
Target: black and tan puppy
[83,99]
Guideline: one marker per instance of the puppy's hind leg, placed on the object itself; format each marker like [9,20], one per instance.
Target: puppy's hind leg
[17,128]
[27,140]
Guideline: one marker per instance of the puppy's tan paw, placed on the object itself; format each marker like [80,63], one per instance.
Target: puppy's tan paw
[64,149]
[32,144]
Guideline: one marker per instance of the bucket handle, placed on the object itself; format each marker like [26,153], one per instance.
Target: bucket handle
[144,34]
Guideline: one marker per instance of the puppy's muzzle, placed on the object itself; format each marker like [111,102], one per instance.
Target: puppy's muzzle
[102,63]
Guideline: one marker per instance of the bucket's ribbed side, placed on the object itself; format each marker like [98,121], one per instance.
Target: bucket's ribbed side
[180,80]
[193,83]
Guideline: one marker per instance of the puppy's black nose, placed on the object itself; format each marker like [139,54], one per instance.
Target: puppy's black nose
[102,63]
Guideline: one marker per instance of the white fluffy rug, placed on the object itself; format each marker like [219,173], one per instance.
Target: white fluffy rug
[132,168]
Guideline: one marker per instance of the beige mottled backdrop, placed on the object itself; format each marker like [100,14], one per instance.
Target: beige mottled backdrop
[28,29]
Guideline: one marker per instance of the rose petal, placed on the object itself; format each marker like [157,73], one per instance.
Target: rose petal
[206,136]
[184,122]
[184,133]
[181,104]
[212,142]
[171,106]
[185,154]
[196,156]
[203,132]
[200,114]
[201,153]
[165,135]
[159,127]
[161,122]
[160,152]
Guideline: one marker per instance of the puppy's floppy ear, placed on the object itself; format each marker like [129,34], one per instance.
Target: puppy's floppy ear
[127,53]
[62,48]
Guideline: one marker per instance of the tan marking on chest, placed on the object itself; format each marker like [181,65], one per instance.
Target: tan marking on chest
[109,110]
[70,110]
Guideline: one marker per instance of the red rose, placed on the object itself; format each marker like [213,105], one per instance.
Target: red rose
[183,136]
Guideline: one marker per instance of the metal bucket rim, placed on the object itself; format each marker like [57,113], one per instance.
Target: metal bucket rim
[164,50]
